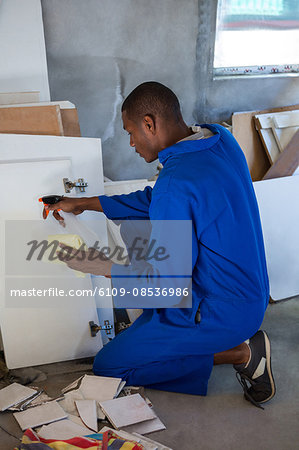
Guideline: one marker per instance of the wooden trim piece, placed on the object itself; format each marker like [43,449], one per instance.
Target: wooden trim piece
[270,145]
[287,162]
[263,121]
[286,120]
[283,136]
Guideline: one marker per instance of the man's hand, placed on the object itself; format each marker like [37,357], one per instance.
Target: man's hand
[67,204]
[73,205]
[90,261]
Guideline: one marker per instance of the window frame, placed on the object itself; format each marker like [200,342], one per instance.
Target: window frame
[256,71]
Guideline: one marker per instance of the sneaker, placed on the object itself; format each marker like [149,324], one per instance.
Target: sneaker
[256,378]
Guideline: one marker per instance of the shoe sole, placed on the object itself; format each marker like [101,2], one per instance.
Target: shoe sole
[269,368]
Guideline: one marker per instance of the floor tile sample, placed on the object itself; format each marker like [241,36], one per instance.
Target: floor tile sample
[99,388]
[124,411]
[14,393]
[40,415]
[148,426]
[64,429]
[88,412]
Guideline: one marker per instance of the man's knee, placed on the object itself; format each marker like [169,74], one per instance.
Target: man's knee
[102,362]
[107,364]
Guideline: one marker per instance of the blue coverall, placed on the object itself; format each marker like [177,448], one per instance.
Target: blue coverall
[207,181]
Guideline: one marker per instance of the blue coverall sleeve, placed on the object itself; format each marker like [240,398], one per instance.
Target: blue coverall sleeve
[127,206]
[172,230]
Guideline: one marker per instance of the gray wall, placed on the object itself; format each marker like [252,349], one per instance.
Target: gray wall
[99,50]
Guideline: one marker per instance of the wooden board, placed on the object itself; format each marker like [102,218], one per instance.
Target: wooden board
[245,133]
[41,120]
[248,139]
[68,111]
[70,122]
[288,161]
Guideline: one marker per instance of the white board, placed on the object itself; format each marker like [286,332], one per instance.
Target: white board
[31,166]
[22,48]
[64,104]
[278,201]
[13,98]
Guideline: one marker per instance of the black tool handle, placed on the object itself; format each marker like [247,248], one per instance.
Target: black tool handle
[51,199]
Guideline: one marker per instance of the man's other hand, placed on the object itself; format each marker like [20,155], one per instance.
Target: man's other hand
[90,261]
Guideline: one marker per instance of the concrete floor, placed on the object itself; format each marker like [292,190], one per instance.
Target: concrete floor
[222,420]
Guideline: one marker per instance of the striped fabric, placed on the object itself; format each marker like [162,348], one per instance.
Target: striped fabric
[99,441]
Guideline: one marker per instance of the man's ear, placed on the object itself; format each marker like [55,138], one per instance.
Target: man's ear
[149,123]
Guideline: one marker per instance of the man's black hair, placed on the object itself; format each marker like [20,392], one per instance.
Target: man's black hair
[153,99]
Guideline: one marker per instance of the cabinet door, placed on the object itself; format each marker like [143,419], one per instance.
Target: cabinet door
[49,328]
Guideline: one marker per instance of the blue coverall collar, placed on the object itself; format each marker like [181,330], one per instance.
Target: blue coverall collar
[188,146]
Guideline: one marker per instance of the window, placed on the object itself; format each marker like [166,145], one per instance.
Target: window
[257,37]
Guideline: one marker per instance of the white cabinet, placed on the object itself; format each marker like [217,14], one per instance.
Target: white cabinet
[50,328]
